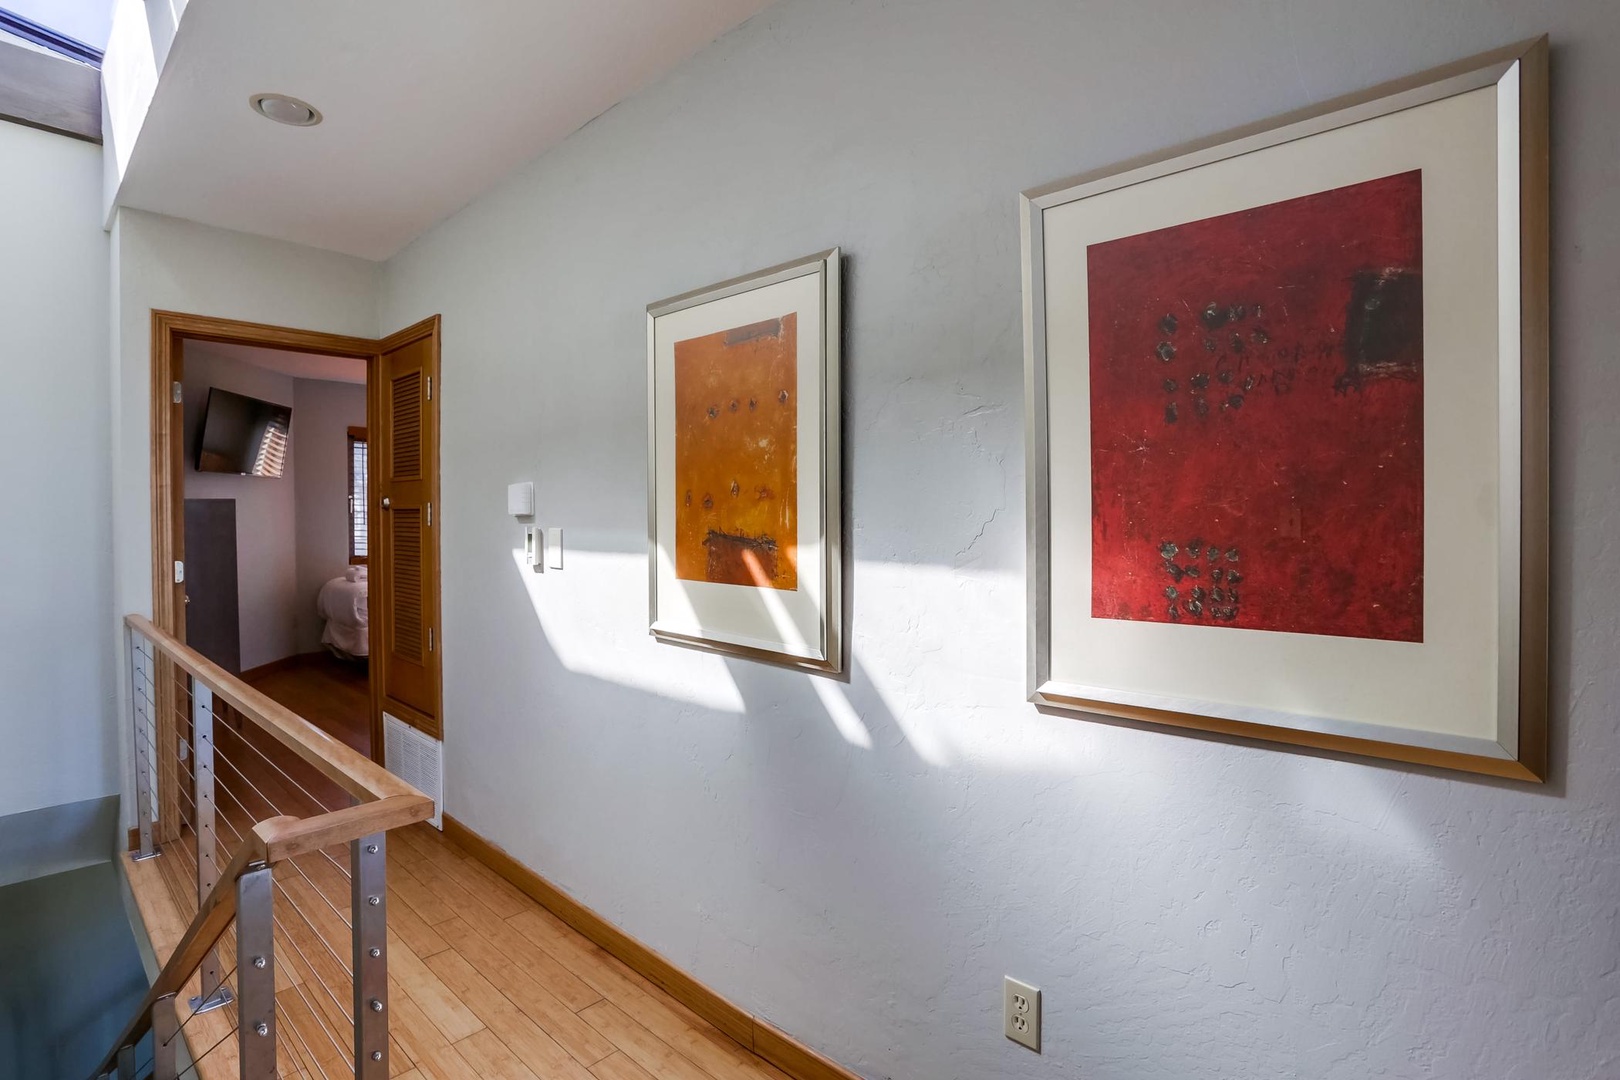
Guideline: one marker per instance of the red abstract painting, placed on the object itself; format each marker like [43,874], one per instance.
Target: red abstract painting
[1257,417]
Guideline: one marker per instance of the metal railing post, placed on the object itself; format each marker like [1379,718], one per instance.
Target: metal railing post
[368,864]
[165,1030]
[256,974]
[213,993]
[143,747]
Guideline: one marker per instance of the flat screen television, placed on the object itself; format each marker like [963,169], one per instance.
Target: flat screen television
[243,435]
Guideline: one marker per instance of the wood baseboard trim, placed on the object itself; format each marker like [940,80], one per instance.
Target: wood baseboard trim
[763,1038]
[793,1057]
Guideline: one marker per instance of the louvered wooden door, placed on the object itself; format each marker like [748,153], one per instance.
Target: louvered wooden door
[405,566]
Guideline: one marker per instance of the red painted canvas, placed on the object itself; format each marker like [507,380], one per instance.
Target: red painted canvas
[1257,417]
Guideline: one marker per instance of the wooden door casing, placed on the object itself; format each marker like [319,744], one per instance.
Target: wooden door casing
[170,332]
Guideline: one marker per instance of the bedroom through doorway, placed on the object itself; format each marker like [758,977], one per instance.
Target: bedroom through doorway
[293,538]
[274,465]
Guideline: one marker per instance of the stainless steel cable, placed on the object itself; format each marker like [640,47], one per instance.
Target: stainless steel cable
[307,793]
[224,981]
[195,836]
[316,889]
[336,864]
[192,1068]
[294,862]
[311,969]
[311,923]
[326,855]
[222,787]
[147,761]
[147,715]
[238,771]
[219,755]
[313,887]
[298,986]
[327,900]
[303,1045]
[227,855]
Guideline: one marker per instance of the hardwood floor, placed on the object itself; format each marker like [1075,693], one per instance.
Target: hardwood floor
[483,981]
[330,693]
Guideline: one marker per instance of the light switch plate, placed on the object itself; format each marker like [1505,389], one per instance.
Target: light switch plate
[533,543]
[554,549]
[1021,1013]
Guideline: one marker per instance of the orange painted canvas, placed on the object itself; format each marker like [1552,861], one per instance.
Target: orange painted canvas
[737,456]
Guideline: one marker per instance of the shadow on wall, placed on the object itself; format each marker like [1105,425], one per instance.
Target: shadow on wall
[589,638]
[878,816]
[766,726]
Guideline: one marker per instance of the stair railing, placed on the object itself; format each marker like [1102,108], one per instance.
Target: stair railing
[246,803]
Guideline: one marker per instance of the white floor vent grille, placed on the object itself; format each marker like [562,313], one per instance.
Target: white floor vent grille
[417,759]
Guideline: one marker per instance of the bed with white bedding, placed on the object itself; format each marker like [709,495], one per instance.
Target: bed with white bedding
[342,604]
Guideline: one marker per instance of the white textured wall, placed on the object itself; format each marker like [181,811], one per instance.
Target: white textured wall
[862,862]
[266,509]
[323,412]
[56,664]
[166,264]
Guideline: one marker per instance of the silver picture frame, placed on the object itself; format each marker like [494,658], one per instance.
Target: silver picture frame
[826,655]
[1520,751]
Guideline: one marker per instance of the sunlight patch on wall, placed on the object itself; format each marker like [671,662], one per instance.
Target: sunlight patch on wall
[129,74]
[844,717]
[973,709]
[971,713]
[585,612]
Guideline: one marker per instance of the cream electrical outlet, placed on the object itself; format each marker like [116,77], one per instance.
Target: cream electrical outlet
[1021,1013]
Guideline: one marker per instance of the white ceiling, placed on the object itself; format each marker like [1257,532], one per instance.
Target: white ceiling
[298,365]
[427,105]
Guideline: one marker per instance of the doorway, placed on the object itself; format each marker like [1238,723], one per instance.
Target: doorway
[392,531]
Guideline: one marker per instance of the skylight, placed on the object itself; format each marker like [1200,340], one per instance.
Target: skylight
[73,28]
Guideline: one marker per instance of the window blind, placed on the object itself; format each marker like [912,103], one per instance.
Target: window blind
[357,498]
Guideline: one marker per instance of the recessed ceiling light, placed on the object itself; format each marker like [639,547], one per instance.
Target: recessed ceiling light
[285,110]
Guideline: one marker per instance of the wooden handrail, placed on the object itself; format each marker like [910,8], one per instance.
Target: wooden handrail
[385,802]
[287,838]
[345,766]
[268,843]
[214,916]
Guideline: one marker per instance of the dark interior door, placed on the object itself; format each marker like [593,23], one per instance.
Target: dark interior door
[213,622]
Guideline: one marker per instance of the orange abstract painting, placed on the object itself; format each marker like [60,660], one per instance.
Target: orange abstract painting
[737,456]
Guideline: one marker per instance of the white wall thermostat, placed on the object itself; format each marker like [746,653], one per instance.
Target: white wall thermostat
[520,499]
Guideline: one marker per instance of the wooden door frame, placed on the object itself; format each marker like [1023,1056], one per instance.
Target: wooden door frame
[170,331]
